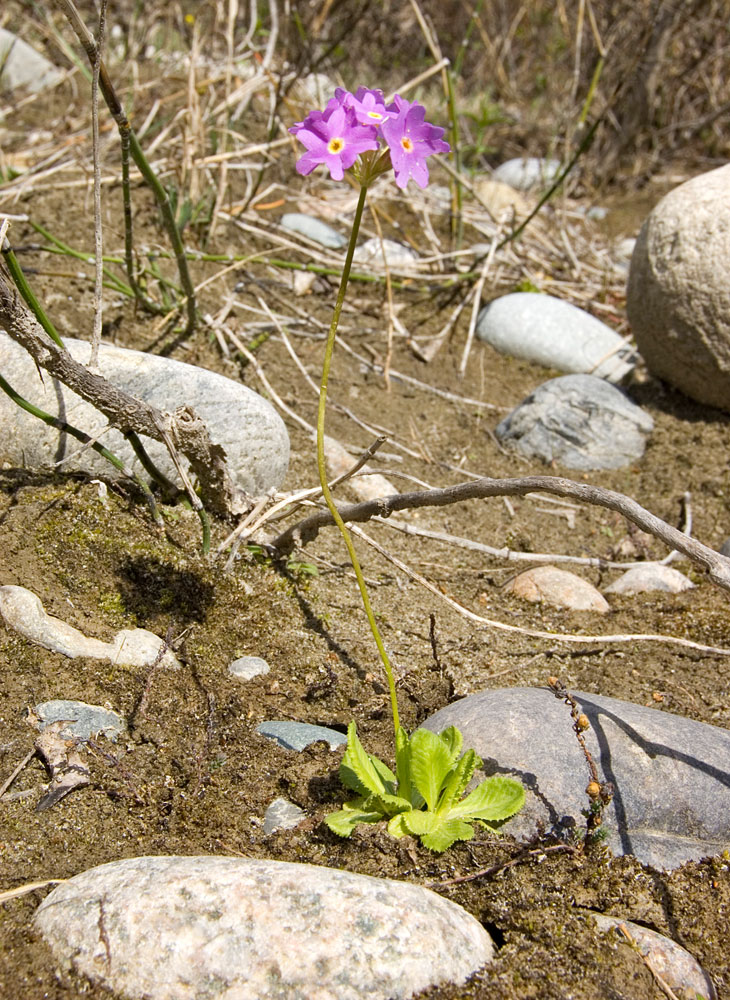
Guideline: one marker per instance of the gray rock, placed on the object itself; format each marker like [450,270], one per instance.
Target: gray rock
[580,421]
[671,775]
[282,815]
[558,587]
[313,229]
[679,970]
[22,66]
[526,172]
[650,576]
[555,334]
[84,721]
[396,254]
[184,928]
[678,298]
[248,667]
[298,735]
[242,422]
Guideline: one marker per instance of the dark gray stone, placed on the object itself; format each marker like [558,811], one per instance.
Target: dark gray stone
[84,721]
[553,333]
[580,421]
[217,928]
[298,735]
[671,775]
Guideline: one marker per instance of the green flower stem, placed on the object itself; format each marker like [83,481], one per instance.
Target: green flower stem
[84,438]
[329,348]
[16,273]
[86,257]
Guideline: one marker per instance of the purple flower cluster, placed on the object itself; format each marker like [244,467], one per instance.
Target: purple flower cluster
[353,124]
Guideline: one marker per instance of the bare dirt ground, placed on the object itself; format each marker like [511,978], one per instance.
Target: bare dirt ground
[192,775]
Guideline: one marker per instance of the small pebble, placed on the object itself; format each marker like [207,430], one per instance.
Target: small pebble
[650,576]
[282,815]
[396,254]
[298,735]
[248,667]
[558,587]
[313,229]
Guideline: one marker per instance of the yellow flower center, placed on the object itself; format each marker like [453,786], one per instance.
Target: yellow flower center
[406,144]
[335,145]
[375,114]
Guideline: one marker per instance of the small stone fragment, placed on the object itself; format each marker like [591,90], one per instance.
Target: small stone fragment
[298,735]
[367,487]
[282,815]
[526,172]
[558,587]
[313,229]
[22,66]
[396,254]
[650,576]
[188,928]
[82,721]
[248,667]
[679,970]
[24,612]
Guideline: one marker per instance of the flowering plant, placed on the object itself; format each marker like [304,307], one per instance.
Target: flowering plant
[364,134]
[353,125]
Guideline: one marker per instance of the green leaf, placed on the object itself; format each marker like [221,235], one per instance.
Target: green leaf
[457,781]
[392,804]
[446,834]
[430,764]
[396,827]
[358,769]
[344,821]
[495,799]
[454,741]
[436,833]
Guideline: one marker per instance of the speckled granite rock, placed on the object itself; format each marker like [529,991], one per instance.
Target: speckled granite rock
[671,775]
[678,297]
[242,422]
[188,928]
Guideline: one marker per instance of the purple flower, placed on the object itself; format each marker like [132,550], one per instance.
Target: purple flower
[333,137]
[410,140]
[368,105]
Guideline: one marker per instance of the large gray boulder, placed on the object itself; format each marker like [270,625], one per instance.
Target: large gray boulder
[246,425]
[671,775]
[678,299]
[184,928]
[581,421]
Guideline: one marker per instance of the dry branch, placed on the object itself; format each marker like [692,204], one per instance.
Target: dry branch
[717,566]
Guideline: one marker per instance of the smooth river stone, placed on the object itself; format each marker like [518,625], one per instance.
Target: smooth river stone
[188,928]
[313,229]
[671,775]
[246,425]
[554,333]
